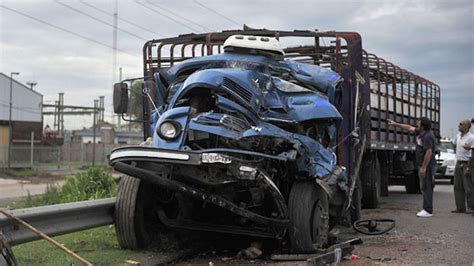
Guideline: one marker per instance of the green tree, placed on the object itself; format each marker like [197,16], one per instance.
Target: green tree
[135,104]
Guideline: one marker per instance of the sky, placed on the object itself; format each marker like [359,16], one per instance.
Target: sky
[66,45]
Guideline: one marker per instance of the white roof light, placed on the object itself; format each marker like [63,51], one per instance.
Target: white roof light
[265,43]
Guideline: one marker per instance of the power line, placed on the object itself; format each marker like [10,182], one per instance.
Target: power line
[63,29]
[218,13]
[179,16]
[166,16]
[119,18]
[99,20]
[22,109]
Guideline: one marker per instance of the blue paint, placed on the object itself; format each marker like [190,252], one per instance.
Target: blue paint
[253,87]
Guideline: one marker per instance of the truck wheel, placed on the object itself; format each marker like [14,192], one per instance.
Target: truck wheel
[370,178]
[308,206]
[356,202]
[412,183]
[134,215]
[384,163]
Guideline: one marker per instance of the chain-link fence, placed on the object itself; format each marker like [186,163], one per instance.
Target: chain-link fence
[68,155]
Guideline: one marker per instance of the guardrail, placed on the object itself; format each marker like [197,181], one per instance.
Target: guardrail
[59,219]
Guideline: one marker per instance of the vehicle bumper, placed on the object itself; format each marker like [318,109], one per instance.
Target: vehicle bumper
[201,157]
[444,171]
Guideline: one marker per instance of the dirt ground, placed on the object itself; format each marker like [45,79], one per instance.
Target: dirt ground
[13,189]
[445,238]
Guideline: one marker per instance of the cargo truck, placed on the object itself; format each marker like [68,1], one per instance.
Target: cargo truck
[278,134]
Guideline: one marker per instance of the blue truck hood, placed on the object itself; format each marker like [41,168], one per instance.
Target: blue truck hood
[324,80]
[265,95]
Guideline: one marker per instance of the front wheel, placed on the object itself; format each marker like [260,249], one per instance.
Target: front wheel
[309,217]
[135,218]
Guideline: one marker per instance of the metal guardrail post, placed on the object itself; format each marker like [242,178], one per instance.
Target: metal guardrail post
[59,219]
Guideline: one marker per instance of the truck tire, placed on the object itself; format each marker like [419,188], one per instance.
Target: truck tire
[384,162]
[370,178]
[308,206]
[356,205]
[133,213]
[412,183]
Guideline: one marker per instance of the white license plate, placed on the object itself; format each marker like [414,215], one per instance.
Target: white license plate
[215,158]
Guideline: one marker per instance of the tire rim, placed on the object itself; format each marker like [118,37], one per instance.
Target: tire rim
[317,225]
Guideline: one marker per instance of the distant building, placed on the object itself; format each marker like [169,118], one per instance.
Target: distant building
[26,114]
[105,133]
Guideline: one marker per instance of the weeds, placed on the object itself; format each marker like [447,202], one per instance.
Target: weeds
[96,183]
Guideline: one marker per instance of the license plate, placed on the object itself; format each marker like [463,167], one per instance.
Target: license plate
[215,158]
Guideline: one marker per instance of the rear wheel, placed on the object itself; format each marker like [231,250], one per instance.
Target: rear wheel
[135,217]
[384,161]
[370,179]
[356,202]
[309,217]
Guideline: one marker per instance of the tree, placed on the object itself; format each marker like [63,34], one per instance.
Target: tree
[135,104]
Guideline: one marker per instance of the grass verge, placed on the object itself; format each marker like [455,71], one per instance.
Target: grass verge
[98,245]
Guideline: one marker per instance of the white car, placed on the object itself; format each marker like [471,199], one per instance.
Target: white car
[446,160]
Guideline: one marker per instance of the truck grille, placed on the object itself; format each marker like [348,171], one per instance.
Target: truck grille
[230,122]
[239,90]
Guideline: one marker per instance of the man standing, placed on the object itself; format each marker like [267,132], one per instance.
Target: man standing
[463,183]
[425,160]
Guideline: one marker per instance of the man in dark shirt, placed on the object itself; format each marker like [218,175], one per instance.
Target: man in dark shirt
[425,160]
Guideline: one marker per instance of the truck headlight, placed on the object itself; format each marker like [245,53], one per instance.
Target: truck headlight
[169,129]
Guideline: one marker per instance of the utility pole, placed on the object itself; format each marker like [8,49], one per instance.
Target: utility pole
[60,114]
[10,137]
[101,108]
[114,44]
[118,116]
[94,131]
[56,105]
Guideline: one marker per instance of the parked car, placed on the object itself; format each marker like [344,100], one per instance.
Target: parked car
[446,160]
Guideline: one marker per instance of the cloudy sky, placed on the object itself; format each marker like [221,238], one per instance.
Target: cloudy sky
[66,45]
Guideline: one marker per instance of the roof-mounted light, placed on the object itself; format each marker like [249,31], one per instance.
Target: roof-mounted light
[264,43]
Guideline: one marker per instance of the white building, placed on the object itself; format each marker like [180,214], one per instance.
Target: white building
[25,113]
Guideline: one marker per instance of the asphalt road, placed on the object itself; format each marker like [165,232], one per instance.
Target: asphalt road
[446,238]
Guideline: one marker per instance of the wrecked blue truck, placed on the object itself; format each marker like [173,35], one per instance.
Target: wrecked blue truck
[245,137]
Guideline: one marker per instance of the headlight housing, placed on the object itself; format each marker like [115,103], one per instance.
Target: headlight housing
[169,129]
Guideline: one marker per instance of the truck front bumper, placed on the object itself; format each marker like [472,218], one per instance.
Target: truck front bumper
[191,157]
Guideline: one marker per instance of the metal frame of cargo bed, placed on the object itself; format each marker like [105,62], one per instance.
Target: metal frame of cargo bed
[406,97]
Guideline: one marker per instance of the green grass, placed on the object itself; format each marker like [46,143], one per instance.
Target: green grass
[18,173]
[98,245]
[95,183]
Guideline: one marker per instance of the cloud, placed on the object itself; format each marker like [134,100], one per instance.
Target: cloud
[431,38]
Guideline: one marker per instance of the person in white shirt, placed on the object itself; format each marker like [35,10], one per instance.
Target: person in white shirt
[463,181]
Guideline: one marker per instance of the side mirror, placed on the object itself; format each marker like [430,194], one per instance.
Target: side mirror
[120,98]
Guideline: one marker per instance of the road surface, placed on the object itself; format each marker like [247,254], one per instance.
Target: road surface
[445,238]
